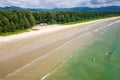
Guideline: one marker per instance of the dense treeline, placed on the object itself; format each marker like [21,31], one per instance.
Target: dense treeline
[60,17]
[12,20]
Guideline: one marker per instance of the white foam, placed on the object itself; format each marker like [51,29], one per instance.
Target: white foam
[106,26]
[45,76]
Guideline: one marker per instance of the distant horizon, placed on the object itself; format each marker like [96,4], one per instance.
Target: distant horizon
[50,4]
[61,8]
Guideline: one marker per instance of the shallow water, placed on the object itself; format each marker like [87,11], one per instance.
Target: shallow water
[98,61]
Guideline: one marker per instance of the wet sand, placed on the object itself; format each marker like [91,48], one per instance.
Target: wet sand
[32,57]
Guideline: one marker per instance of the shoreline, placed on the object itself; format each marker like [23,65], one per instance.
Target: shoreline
[42,51]
[88,55]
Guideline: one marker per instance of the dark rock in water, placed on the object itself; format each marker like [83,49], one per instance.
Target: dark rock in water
[110,53]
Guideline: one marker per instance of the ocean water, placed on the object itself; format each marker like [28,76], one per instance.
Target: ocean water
[97,61]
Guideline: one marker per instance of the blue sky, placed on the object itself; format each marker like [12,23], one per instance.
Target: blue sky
[58,3]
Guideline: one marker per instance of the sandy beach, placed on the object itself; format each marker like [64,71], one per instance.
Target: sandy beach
[31,55]
[44,29]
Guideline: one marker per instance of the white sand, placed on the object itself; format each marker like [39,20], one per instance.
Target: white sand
[41,30]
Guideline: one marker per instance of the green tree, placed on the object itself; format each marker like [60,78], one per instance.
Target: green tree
[12,27]
[27,24]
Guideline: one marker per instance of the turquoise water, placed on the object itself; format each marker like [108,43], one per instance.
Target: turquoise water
[98,61]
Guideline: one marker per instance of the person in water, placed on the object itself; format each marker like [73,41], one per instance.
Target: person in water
[93,59]
[107,54]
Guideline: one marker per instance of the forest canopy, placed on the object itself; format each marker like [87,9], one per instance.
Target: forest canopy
[12,20]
